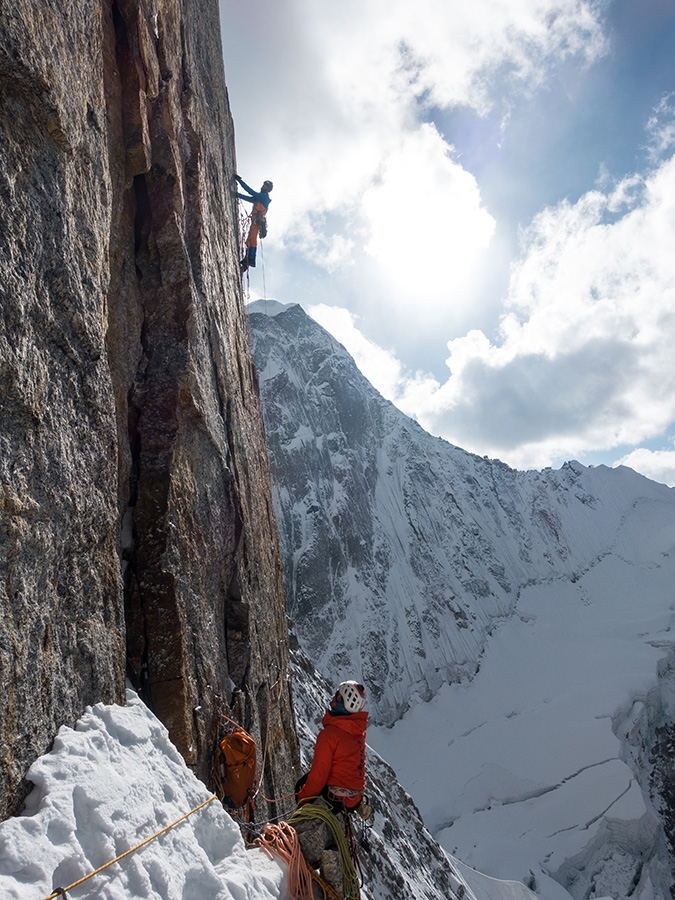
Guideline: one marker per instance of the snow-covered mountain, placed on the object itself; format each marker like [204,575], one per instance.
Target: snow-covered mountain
[531,610]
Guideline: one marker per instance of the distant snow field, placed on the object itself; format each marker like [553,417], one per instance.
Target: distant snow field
[518,771]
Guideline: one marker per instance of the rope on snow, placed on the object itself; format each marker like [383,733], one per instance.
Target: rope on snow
[61,892]
[282,840]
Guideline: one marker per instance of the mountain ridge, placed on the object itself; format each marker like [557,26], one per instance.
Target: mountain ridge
[358,478]
[520,621]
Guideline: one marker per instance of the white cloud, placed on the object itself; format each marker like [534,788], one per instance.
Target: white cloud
[446,53]
[336,116]
[661,128]
[659,465]
[584,357]
[425,215]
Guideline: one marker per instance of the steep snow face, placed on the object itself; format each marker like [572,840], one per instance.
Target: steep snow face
[542,767]
[107,785]
[533,610]
[401,551]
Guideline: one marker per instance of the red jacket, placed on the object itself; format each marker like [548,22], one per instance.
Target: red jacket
[339,757]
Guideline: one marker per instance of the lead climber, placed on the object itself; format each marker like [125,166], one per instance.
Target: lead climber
[335,783]
[261,201]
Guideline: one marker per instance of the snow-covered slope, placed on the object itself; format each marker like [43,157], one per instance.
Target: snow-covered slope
[115,780]
[107,785]
[533,610]
[402,552]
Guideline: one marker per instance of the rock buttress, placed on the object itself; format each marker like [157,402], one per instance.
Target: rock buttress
[131,426]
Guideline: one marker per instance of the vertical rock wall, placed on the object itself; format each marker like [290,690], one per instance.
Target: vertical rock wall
[136,528]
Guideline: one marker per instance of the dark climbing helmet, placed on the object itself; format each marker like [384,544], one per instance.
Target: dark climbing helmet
[267,187]
[353,695]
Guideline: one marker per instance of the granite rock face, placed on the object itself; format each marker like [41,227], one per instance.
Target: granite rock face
[136,531]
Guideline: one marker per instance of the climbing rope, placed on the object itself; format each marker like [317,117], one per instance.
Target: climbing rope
[258,790]
[351,843]
[262,267]
[265,745]
[244,225]
[61,892]
[282,840]
[350,878]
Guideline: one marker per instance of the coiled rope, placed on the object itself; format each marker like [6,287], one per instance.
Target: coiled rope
[282,840]
[350,878]
[61,892]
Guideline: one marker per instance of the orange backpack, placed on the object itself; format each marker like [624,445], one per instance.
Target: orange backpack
[236,768]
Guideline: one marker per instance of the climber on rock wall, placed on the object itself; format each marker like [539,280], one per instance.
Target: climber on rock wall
[261,201]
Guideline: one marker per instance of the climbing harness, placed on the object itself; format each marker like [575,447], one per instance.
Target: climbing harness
[341,793]
[261,222]
[61,891]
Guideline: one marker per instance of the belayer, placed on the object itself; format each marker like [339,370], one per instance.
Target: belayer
[334,784]
[261,201]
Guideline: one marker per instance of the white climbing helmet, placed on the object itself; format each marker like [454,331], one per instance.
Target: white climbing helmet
[353,695]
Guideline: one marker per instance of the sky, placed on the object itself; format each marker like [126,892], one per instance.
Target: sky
[478,201]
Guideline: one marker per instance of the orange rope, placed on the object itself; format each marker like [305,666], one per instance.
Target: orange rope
[282,840]
[63,891]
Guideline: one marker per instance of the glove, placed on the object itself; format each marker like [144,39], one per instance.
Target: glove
[364,809]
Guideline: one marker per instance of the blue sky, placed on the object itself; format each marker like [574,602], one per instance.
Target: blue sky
[478,201]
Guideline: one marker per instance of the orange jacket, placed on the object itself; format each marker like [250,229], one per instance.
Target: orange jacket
[339,757]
